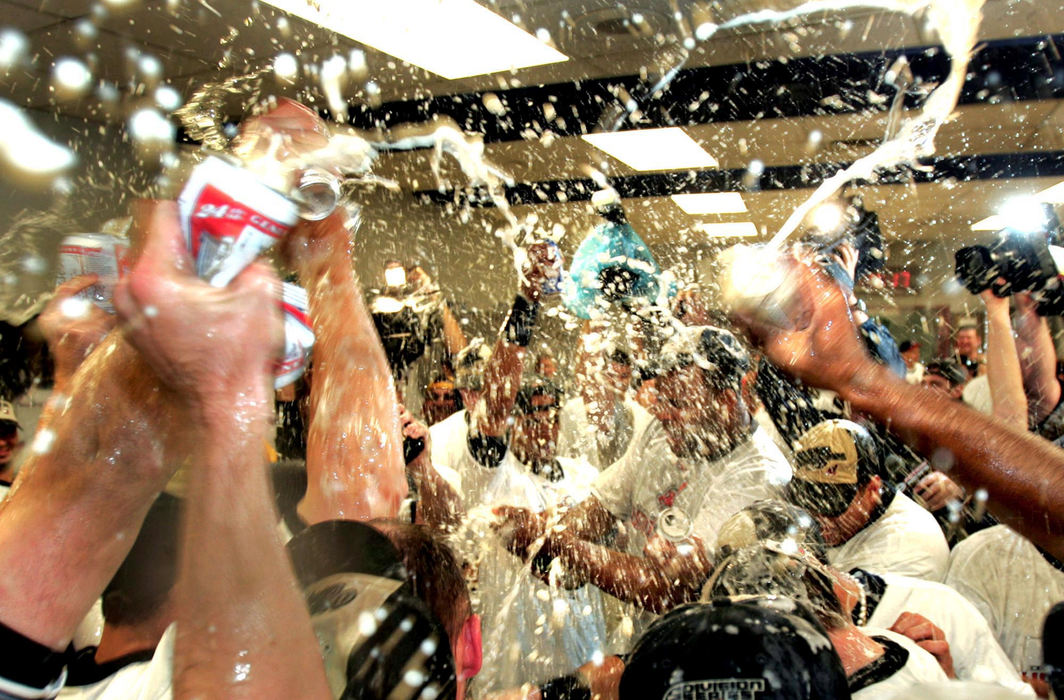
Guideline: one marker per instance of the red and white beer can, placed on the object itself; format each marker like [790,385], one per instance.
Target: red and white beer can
[298,336]
[97,254]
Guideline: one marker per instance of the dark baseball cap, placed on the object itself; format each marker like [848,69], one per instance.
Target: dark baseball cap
[377,638]
[759,647]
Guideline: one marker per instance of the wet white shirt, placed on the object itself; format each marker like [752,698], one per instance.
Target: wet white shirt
[650,484]
[1009,581]
[921,667]
[906,540]
[532,632]
[144,680]
[976,654]
[576,436]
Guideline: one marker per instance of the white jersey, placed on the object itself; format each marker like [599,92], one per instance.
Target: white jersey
[1009,581]
[144,680]
[920,667]
[650,488]
[976,654]
[532,631]
[577,436]
[906,540]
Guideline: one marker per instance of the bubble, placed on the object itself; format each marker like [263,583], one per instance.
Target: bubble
[366,624]
[285,67]
[75,307]
[373,94]
[543,34]
[14,48]
[28,154]
[43,441]
[493,104]
[705,30]
[167,98]
[150,130]
[70,78]
[357,66]
[149,68]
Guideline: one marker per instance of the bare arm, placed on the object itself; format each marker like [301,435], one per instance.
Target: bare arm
[1038,359]
[243,629]
[1023,474]
[502,376]
[1003,364]
[108,450]
[438,504]
[355,465]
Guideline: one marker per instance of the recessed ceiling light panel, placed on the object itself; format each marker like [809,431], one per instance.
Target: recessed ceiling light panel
[711,203]
[653,149]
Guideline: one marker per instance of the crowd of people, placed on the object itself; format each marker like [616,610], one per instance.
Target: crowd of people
[712,506]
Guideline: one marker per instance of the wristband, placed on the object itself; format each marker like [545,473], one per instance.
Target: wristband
[564,688]
[27,663]
[541,563]
[518,328]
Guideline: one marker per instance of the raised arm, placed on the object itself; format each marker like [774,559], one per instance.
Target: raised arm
[1038,359]
[108,450]
[1003,364]
[502,376]
[355,465]
[1023,474]
[243,628]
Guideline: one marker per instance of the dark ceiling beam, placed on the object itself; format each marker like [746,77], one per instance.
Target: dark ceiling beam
[994,166]
[1009,70]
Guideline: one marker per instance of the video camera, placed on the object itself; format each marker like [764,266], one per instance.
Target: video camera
[1022,259]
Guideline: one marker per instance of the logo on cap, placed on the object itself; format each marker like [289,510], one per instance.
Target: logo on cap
[720,689]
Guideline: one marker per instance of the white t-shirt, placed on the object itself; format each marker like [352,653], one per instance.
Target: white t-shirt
[650,483]
[976,654]
[921,667]
[906,540]
[577,436]
[144,680]
[1009,581]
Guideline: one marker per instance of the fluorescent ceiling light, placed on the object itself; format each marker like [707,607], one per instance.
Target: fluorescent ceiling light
[1052,195]
[711,203]
[653,149]
[996,222]
[452,38]
[729,229]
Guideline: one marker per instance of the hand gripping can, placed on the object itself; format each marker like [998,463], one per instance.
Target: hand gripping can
[298,336]
[97,254]
[229,217]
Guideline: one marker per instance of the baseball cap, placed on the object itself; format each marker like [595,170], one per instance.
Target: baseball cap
[7,413]
[834,459]
[377,638]
[469,365]
[949,369]
[714,349]
[743,647]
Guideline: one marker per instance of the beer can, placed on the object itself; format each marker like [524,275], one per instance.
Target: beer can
[97,254]
[229,217]
[298,336]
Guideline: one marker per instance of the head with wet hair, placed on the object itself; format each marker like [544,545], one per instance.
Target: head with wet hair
[758,647]
[534,438]
[946,375]
[696,395]
[769,519]
[469,365]
[782,569]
